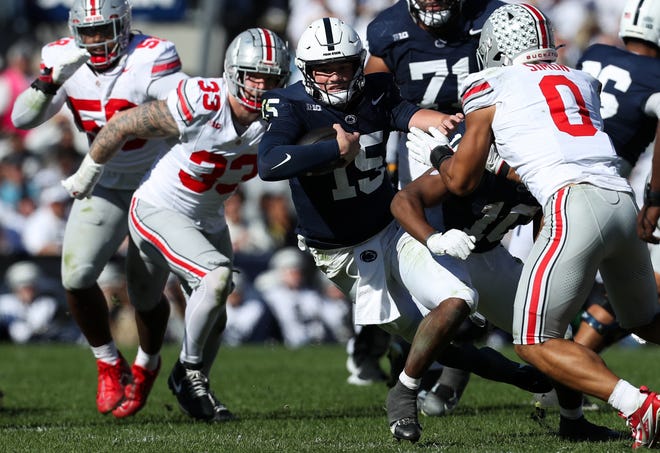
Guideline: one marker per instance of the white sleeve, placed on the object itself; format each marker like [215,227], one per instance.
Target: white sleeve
[34,107]
[652,106]
[161,87]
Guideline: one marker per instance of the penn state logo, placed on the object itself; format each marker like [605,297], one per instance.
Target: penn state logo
[368,256]
[350,119]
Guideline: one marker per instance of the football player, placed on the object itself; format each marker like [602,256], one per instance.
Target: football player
[102,69]
[630,109]
[544,119]
[344,219]
[176,217]
[430,47]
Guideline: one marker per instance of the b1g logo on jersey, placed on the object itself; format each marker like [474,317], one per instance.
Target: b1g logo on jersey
[314,107]
[400,36]
[368,256]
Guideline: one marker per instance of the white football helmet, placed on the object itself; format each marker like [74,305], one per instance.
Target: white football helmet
[434,13]
[330,40]
[641,20]
[256,50]
[513,34]
[109,17]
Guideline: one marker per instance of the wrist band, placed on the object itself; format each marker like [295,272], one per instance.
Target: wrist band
[651,198]
[440,154]
[45,87]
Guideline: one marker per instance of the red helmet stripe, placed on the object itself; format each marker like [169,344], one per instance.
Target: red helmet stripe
[268,44]
[92,7]
[541,25]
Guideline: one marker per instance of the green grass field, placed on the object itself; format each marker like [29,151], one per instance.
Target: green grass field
[287,401]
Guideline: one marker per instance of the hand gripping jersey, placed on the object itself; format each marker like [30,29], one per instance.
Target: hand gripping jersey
[348,205]
[629,81]
[428,69]
[203,169]
[94,97]
[546,125]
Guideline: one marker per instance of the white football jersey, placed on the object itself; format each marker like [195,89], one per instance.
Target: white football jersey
[204,168]
[547,125]
[94,97]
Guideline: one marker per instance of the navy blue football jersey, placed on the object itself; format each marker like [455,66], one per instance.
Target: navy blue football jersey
[628,81]
[347,205]
[495,207]
[429,69]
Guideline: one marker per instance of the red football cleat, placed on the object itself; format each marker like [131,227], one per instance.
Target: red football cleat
[644,421]
[112,380]
[136,393]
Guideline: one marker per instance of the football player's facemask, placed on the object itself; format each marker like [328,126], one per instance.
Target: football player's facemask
[641,20]
[256,60]
[331,52]
[516,34]
[434,13]
[103,28]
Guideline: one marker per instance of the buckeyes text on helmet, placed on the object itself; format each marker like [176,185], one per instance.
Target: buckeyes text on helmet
[255,51]
[328,41]
[514,34]
[641,20]
[434,13]
[110,19]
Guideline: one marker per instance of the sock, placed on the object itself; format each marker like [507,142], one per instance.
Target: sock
[107,353]
[147,361]
[411,383]
[571,414]
[626,398]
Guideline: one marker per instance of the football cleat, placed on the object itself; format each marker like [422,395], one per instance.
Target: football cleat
[368,372]
[222,414]
[136,393]
[644,421]
[191,388]
[582,430]
[402,413]
[441,400]
[111,382]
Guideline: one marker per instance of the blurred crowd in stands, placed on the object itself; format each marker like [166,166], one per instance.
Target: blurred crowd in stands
[278,295]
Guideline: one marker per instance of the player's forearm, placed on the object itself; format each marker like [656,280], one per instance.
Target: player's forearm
[33,107]
[409,212]
[151,120]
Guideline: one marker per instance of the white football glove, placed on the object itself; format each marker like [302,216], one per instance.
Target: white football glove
[420,144]
[494,163]
[453,242]
[66,63]
[81,183]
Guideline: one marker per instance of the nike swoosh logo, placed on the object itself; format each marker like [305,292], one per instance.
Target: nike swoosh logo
[473,32]
[377,100]
[177,387]
[286,159]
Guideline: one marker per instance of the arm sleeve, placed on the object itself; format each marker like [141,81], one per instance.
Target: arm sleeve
[33,107]
[279,157]
[652,106]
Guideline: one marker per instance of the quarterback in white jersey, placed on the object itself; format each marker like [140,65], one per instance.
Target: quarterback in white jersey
[544,120]
[103,69]
[176,217]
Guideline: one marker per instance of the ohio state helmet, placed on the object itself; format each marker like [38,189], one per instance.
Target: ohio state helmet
[256,50]
[107,17]
[513,34]
[434,13]
[330,40]
[641,20]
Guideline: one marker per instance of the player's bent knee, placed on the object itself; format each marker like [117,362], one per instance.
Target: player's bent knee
[219,282]
[80,277]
